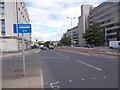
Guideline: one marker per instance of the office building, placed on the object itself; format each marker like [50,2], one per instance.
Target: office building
[107,15]
[83,23]
[13,13]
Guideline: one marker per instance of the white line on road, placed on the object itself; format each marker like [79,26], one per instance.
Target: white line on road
[61,54]
[83,79]
[94,78]
[89,65]
[42,82]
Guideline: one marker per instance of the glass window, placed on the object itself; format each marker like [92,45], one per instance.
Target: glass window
[2,26]
[1,7]
[118,43]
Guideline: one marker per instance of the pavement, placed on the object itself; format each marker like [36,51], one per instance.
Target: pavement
[14,78]
[99,51]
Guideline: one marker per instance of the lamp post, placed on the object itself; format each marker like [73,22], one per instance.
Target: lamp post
[71,18]
[105,37]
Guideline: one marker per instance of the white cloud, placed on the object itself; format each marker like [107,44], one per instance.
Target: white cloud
[53,14]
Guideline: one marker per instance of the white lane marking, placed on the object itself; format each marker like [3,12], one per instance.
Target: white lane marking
[89,65]
[105,77]
[42,82]
[70,80]
[61,54]
[54,85]
[83,79]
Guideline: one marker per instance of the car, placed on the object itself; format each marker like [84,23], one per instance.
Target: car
[51,47]
[43,47]
[114,44]
[87,45]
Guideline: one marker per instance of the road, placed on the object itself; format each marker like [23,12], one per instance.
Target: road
[63,69]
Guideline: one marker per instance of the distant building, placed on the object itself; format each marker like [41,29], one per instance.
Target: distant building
[107,15]
[75,36]
[13,13]
[83,23]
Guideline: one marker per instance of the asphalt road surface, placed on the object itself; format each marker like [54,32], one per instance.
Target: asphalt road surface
[63,69]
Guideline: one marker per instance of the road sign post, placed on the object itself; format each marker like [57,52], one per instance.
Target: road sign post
[22,28]
[23,51]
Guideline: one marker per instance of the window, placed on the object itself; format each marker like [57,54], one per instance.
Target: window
[1,7]
[118,43]
[2,26]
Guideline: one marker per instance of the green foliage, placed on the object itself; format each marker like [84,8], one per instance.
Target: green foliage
[47,43]
[65,41]
[93,35]
[40,43]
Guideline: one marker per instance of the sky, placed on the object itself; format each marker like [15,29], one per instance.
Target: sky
[49,17]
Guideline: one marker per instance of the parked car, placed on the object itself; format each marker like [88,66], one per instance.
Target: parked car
[114,44]
[87,45]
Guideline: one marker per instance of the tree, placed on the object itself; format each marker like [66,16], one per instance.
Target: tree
[93,35]
[47,43]
[40,43]
[65,40]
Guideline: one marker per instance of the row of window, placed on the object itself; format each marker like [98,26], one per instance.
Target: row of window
[112,36]
[113,25]
[1,7]
[102,10]
[2,26]
[112,31]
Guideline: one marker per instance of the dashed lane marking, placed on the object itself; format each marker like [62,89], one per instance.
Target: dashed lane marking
[89,65]
[83,79]
[94,78]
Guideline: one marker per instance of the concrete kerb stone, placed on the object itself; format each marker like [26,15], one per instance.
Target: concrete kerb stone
[91,50]
[19,53]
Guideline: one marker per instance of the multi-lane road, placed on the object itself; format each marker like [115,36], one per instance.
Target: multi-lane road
[64,69]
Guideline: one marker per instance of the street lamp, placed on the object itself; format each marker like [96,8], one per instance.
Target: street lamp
[105,36]
[71,18]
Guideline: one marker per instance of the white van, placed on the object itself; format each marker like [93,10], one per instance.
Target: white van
[114,44]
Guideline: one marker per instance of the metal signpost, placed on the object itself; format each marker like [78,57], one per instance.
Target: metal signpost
[22,28]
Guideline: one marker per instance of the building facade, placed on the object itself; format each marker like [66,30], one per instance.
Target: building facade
[74,35]
[107,15]
[13,13]
[84,22]
[79,30]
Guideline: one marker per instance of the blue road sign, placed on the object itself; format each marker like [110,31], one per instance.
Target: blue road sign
[22,28]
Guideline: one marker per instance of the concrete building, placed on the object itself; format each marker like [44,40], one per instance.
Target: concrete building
[75,36]
[107,15]
[83,23]
[13,13]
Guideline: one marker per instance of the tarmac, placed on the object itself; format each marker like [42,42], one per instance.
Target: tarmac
[34,78]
